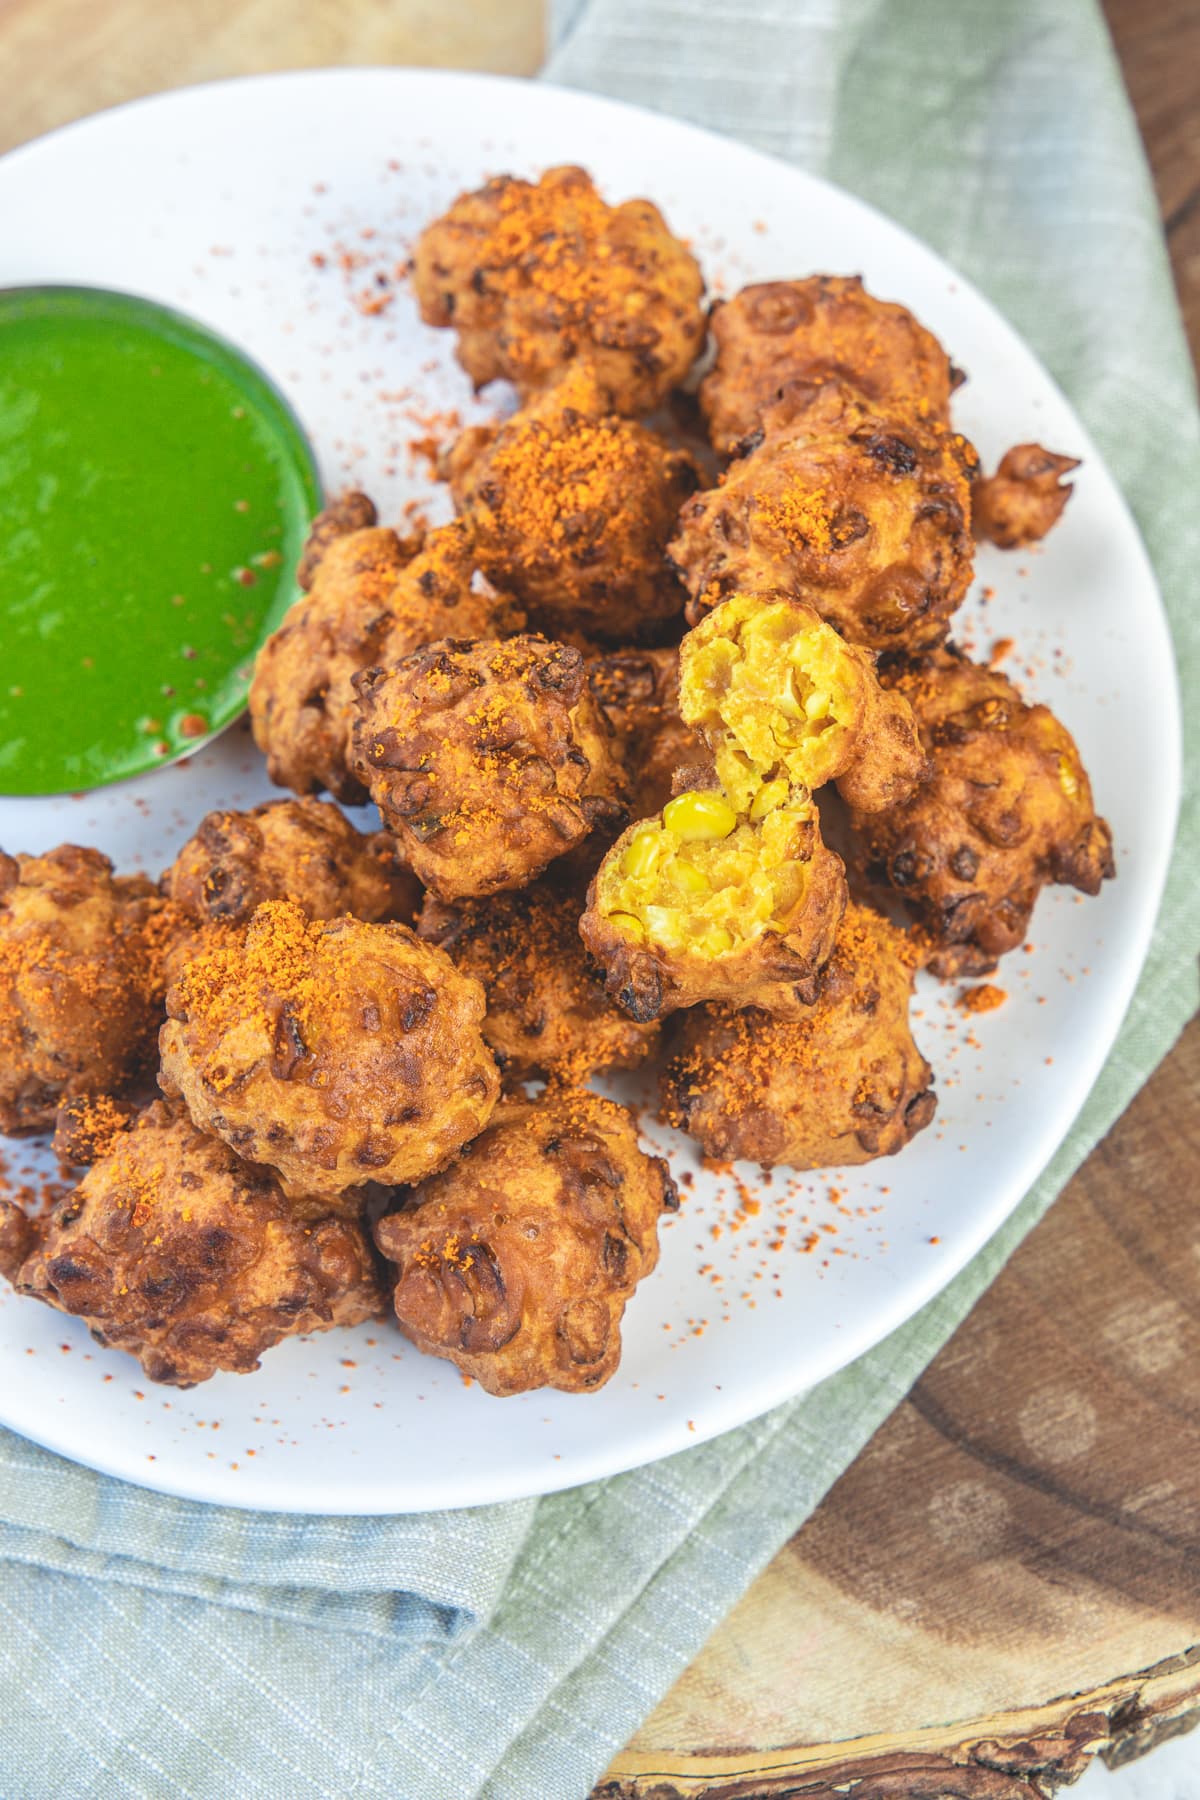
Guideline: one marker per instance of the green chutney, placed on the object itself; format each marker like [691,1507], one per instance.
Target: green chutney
[155,491]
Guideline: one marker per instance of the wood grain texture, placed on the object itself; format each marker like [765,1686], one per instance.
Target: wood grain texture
[1158,42]
[64,58]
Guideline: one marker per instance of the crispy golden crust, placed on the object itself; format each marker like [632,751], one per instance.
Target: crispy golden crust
[350,512]
[779,696]
[18,1239]
[1009,809]
[1024,499]
[571,507]
[374,597]
[534,275]
[866,515]
[776,340]
[86,1125]
[486,759]
[547,1011]
[337,1052]
[517,1262]
[842,1084]
[748,918]
[77,1007]
[175,1250]
[638,691]
[302,850]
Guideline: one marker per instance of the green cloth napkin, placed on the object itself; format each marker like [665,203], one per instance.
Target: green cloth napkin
[153,1648]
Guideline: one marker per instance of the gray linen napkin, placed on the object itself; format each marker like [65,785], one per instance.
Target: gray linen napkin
[150,1648]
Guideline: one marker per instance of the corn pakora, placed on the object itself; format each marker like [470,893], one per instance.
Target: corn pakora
[77,1002]
[373,596]
[777,340]
[702,903]
[1008,809]
[571,507]
[486,759]
[336,1052]
[302,850]
[784,702]
[178,1252]
[533,275]
[547,1011]
[844,1083]
[1024,499]
[866,515]
[517,1262]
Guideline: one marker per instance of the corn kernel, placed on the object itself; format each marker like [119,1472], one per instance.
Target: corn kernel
[817,705]
[628,925]
[791,700]
[642,853]
[718,941]
[1067,778]
[688,878]
[699,818]
[770,795]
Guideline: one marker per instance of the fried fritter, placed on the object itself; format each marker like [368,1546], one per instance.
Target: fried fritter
[18,1239]
[701,903]
[784,702]
[302,850]
[175,1250]
[1024,499]
[535,275]
[516,1262]
[336,1052]
[486,759]
[350,512]
[547,1011]
[374,597]
[841,1084]
[571,507]
[638,691]
[866,515]
[1009,809]
[779,339]
[77,1006]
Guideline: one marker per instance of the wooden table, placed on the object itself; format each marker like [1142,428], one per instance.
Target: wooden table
[1008,1579]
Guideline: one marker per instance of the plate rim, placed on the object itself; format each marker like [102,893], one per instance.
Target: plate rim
[917,1293]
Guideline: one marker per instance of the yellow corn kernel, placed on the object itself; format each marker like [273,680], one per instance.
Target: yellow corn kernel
[1067,778]
[791,698]
[718,941]
[699,818]
[770,795]
[817,705]
[628,925]
[688,878]
[642,853]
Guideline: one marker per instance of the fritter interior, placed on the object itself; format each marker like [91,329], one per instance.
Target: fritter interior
[703,903]
[785,703]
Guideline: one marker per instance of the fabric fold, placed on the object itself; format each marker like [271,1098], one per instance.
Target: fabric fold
[418,1576]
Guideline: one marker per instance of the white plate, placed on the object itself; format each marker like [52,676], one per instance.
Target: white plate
[240,203]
